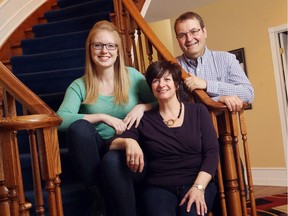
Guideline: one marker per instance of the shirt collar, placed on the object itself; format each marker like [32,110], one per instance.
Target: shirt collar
[199,59]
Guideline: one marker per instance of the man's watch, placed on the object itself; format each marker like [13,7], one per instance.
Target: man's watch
[199,187]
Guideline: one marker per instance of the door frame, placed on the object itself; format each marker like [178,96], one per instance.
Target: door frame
[279,81]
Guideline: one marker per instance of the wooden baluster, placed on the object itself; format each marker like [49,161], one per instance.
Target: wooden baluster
[124,34]
[50,187]
[57,183]
[228,166]
[159,56]
[10,168]
[119,22]
[234,127]
[57,166]
[23,206]
[39,203]
[1,102]
[221,189]
[4,201]
[128,38]
[50,167]
[243,131]
[149,50]
[141,51]
[132,33]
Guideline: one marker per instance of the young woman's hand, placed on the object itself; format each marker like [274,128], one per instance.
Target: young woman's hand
[135,115]
[118,124]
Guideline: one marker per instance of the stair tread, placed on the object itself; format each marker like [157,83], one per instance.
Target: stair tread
[48,61]
[54,43]
[69,3]
[69,25]
[78,10]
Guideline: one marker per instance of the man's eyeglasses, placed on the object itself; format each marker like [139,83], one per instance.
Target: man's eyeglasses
[193,32]
[99,46]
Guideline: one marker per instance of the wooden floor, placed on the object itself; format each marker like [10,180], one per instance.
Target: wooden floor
[262,191]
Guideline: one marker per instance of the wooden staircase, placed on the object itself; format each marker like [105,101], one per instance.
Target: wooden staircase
[141,47]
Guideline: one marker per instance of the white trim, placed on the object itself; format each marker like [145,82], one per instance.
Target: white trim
[282,103]
[18,17]
[145,7]
[3,3]
[269,176]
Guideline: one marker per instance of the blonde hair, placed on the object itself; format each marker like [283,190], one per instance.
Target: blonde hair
[121,76]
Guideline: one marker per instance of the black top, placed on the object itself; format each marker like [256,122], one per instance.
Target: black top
[176,155]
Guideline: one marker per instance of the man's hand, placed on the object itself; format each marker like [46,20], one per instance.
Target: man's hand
[193,82]
[233,103]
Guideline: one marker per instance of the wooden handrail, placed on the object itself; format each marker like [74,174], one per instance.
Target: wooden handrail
[29,122]
[21,93]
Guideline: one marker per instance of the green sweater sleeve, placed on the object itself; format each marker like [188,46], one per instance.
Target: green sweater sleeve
[69,109]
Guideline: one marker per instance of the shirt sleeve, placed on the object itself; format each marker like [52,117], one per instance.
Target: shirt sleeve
[235,83]
[70,106]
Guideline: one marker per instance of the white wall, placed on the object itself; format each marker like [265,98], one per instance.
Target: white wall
[13,13]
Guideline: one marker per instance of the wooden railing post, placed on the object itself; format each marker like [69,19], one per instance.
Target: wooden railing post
[230,176]
[10,168]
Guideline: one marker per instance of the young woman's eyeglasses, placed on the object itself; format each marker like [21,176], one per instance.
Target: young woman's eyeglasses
[193,32]
[99,46]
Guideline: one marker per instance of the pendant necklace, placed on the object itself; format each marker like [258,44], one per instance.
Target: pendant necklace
[171,122]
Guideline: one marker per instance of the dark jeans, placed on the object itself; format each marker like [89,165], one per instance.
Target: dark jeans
[164,201]
[86,148]
[121,185]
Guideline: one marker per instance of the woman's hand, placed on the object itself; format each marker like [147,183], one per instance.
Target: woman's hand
[135,115]
[195,196]
[134,155]
[118,125]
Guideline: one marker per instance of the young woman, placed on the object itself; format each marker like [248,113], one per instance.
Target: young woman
[181,147]
[102,103]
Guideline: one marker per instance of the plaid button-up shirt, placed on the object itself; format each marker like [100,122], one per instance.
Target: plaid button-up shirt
[222,72]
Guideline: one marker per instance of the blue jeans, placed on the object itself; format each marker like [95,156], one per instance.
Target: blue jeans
[120,185]
[164,201]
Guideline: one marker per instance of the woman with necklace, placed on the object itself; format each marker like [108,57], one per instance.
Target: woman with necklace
[181,147]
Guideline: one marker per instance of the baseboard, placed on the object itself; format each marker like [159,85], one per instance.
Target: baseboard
[269,176]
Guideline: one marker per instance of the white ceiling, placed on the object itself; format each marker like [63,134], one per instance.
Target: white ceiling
[156,10]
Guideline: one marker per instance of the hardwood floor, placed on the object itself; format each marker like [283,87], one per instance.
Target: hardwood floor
[262,191]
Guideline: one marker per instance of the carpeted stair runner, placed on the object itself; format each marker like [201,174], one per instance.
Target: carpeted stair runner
[54,43]
[50,62]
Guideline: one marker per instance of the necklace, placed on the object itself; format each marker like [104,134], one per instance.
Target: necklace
[171,122]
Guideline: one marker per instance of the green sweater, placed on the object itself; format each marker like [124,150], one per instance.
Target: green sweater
[72,108]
